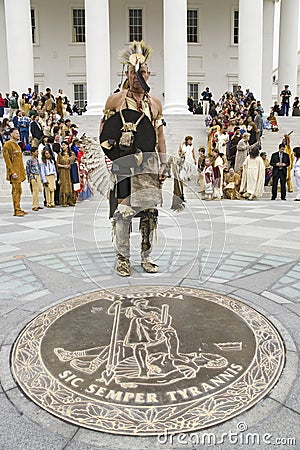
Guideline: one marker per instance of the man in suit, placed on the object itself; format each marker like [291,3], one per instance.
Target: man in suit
[36,131]
[280,161]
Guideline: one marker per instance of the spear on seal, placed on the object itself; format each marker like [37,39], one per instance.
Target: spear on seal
[109,373]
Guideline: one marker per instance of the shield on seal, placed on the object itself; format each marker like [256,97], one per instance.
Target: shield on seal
[144,138]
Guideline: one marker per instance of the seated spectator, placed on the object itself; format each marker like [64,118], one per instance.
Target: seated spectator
[232,183]
[273,121]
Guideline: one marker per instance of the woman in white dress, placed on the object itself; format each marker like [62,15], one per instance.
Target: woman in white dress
[186,150]
[296,169]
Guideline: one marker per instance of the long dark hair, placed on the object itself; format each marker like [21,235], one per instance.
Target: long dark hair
[69,150]
[44,159]
[296,150]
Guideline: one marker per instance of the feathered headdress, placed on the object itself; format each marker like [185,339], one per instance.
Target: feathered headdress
[136,54]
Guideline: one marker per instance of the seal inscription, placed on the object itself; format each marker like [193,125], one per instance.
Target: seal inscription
[143,360]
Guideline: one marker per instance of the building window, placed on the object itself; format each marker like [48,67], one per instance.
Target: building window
[135,25]
[36,88]
[192,25]
[235,31]
[33,26]
[78,25]
[234,88]
[80,96]
[193,91]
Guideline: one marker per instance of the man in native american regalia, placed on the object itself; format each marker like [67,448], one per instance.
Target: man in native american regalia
[131,135]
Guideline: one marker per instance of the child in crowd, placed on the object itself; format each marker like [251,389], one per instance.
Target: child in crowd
[49,175]
[33,177]
[208,179]
[201,166]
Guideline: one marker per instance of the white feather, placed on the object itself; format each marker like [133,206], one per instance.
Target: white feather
[94,161]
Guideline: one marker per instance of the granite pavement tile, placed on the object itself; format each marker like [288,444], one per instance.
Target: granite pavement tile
[18,432]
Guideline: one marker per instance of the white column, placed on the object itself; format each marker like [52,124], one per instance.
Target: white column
[19,45]
[175,57]
[288,45]
[251,45]
[4,83]
[267,68]
[97,54]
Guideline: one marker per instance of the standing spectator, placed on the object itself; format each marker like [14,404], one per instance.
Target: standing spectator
[243,147]
[41,146]
[85,191]
[235,139]
[23,125]
[222,140]
[16,118]
[208,179]
[296,107]
[66,128]
[48,175]
[217,174]
[191,104]
[187,152]
[268,168]
[2,104]
[279,161]
[49,147]
[6,104]
[285,95]
[64,161]
[288,150]
[214,128]
[29,94]
[15,170]
[56,145]
[201,166]
[206,99]
[258,120]
[253,176]
[34,179]
[36,130]
[23,102]
[253,131]
[5,130]
[249,97]
[13,103]
[296,168]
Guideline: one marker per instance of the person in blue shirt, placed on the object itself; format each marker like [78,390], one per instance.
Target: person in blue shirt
[23,125]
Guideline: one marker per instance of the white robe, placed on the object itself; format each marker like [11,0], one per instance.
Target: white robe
[253,177]
[189,169]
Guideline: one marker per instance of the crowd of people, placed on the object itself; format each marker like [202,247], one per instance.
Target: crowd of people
[241,177]
[233,167]
[41,127]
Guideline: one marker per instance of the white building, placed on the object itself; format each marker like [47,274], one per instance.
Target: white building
[74,45]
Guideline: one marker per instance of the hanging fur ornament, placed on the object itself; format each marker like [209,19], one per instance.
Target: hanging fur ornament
[99,177]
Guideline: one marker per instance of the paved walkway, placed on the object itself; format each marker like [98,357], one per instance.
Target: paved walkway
[249,250]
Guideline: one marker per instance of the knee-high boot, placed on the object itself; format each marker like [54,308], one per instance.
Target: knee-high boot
[148,224]
[121,223]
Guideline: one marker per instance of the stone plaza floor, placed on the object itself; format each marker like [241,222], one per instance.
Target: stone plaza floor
[247,250]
